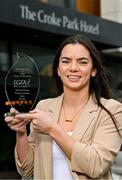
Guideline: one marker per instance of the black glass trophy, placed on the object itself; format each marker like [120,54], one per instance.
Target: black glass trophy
[22,84]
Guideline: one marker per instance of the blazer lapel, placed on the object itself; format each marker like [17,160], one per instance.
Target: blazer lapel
[87,116]
[56,108]
[47,141]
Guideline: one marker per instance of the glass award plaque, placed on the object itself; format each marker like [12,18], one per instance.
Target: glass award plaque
[22,84]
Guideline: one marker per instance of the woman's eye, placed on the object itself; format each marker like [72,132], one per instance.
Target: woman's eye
[65,61]
[83,62]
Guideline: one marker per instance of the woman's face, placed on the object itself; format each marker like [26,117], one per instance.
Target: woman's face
[75,67]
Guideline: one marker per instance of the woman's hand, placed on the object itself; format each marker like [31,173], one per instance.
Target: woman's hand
[14,123]
[42,121]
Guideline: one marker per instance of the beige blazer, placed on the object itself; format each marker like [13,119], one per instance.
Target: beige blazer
[97,143]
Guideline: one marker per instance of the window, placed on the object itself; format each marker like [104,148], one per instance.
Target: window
[4,60]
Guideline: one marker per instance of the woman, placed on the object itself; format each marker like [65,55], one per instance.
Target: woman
[76,135]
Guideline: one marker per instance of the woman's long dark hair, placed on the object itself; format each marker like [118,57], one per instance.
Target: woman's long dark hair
[99,84]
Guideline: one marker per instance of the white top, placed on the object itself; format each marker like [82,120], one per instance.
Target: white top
[61,170]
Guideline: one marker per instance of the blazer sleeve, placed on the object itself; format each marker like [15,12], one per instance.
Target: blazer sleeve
[26,168]
[95,158]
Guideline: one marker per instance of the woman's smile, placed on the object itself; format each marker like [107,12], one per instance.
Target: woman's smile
[73,78]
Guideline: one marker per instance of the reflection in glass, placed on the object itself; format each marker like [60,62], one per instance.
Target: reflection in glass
[22,83]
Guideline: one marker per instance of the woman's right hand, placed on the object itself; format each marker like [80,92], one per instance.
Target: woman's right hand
[16,124]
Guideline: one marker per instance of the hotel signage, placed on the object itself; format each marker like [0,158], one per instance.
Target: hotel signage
[57,20]
[48,18]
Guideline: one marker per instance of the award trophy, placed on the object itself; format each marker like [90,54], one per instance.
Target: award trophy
[22,84]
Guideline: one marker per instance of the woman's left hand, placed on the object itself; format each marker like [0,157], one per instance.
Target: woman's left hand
[41,120]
